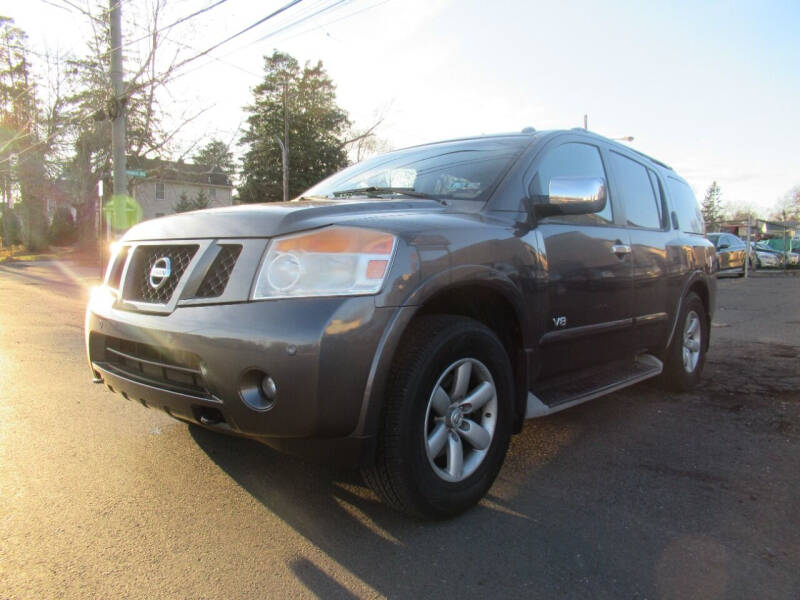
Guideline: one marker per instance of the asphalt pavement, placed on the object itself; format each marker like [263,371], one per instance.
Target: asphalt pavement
[642,494]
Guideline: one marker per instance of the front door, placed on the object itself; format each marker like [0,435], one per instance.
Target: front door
[589,272]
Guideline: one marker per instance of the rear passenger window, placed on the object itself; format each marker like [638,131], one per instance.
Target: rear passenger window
[572,160]
[690,219]
[636,190]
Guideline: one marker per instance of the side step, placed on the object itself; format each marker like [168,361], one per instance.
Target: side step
[576,388]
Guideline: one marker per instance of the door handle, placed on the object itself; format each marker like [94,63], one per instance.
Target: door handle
[620,249]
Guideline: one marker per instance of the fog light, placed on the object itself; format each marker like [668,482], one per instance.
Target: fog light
[268,388]
[258,390]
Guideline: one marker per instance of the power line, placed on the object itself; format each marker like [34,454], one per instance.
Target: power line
[289,25]
[342,18]
[178,22]
[225,41]
[320,11]
[243,31]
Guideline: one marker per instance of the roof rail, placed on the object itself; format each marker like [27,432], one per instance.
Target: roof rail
[634,150]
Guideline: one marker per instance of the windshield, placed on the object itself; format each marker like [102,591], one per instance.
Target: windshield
[461,170]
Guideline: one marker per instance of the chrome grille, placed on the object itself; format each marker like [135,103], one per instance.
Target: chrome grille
[138,287]
[216,279]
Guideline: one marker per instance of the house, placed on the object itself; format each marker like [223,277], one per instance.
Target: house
[58,194]
[158,185]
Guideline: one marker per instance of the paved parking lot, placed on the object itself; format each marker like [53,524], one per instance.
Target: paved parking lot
[642,494]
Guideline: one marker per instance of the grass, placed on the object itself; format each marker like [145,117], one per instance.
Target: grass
[19,253]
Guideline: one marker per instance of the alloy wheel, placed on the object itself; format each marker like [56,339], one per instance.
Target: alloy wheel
[692,342]
[460,419]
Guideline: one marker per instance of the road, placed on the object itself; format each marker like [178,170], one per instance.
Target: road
[642,494]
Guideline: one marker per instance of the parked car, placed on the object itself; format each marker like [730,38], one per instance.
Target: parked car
[406,315]
[792,257]
[766,256]
[731,253]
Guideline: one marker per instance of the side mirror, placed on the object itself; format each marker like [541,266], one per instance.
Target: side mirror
[572,196]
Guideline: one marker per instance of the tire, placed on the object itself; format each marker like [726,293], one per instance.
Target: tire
[408,474]
[682,373]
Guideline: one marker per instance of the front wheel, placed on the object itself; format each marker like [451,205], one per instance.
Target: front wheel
[447,418]
[686,355]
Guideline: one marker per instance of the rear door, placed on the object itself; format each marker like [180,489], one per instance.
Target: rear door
[656,271]
[589,270]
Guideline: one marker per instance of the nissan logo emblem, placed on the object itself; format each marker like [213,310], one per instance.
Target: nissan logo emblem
[160,272]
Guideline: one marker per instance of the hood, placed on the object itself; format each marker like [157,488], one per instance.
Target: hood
[270,219]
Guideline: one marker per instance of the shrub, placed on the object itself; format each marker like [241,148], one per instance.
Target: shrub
[10,220]
[63,229]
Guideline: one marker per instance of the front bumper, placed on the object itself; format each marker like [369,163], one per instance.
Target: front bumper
[319,352]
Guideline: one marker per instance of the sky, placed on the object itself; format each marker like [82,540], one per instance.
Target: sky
[710,88]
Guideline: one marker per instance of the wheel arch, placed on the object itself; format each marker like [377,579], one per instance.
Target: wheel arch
[699,285]
[491,299]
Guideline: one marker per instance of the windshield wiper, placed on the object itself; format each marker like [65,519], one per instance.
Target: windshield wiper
[379,191]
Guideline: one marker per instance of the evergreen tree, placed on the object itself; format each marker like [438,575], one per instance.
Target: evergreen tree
[712,207]
[22,144]
[215,154]
[300,102]
[185,204]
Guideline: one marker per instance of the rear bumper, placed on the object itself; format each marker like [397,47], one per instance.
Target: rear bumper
[319,352]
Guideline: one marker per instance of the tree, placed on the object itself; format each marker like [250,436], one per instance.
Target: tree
[712,207]
[215,154]
[146,74]
[295,107]
[184,204]
[788,206]
[23,139]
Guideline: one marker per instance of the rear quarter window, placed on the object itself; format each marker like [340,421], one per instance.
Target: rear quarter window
[685,205]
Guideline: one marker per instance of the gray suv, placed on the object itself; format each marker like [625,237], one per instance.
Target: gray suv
[406,315]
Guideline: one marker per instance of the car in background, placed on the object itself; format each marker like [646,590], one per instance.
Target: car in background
[731,253]
[778,245]
[767,257]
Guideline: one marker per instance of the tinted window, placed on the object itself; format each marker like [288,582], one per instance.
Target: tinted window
[571,160]
[734,241]
[461,170]
[690,219]
[636,190]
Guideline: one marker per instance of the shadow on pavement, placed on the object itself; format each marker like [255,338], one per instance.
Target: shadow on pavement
[610,499]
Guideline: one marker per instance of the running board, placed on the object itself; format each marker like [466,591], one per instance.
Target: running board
[577,388]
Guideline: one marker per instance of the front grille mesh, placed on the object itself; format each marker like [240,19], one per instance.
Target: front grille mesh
[216,279]
[138,286]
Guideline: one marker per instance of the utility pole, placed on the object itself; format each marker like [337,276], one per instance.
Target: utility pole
[747,245]
[285,144]
[117,114]
[585,122]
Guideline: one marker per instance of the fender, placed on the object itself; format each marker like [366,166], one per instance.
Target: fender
[372,402]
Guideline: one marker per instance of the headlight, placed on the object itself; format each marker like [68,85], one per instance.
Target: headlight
[767,258]
[335,261]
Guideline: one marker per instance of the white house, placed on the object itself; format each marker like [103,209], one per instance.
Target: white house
[158,185]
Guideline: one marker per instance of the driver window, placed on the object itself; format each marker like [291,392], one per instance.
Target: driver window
[572,160]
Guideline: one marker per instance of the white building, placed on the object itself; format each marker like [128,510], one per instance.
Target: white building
[160,185]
